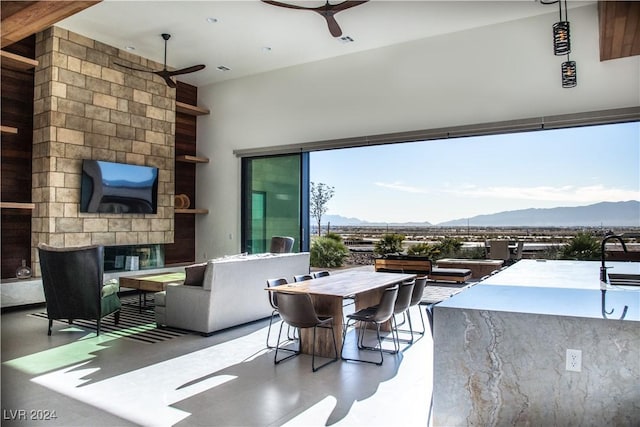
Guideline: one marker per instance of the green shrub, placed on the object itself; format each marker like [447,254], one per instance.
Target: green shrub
[449,247]
[334,236]
[422,249]
[583,246]
[327,252]
[390,243]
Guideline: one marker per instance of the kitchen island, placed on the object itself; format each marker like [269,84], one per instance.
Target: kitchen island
[500,348]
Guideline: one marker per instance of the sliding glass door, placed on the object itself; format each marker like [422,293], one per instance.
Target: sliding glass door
[275,201]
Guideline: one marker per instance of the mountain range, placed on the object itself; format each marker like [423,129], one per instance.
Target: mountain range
[605,214]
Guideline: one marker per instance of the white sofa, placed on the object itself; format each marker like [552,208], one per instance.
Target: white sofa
[232,292]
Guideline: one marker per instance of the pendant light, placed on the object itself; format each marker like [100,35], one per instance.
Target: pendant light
[569,78]
[562,45]
[561,35]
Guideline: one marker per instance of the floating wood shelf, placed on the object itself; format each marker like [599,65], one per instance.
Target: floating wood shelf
[17,62]
[192,110]
[192,211]
[17,205]
[191,159]
[9,130]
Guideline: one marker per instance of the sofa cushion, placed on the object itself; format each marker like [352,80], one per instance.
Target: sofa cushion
[160,299]
[194,274]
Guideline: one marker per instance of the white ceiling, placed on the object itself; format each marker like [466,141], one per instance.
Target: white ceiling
[244,28]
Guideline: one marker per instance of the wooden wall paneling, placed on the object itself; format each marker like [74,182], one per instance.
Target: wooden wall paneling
[15,240]
[16,105]
[185,134]
[186,93]
[183,248]
[25,47]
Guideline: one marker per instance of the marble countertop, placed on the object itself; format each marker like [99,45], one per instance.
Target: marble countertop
[562,288]
[560,274]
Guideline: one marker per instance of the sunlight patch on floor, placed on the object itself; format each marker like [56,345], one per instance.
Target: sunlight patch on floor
[144,396]
[315,415]
[79,351]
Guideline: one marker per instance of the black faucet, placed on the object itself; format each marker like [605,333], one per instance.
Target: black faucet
[620,238]
[603,269]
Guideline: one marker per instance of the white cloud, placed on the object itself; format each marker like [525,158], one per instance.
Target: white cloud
[398,186]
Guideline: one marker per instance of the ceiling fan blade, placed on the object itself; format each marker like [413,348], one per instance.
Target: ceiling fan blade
[166,75]
[288,6]
[327,11]
[334,28]
[187,70]
[347,5]
[133,68]
[170,82]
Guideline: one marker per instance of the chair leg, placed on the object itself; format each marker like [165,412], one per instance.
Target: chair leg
[410,325]
[275,356]
[50,325]
[273,313]
[379,344]
[358,342]
[116,317]
[313,354]
[98,326]
[290,336]
[424,329]
[395,338]
[413,339]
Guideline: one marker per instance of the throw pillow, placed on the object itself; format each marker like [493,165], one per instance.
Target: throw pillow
[194,274]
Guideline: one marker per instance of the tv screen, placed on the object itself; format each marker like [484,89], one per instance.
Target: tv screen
[108,187]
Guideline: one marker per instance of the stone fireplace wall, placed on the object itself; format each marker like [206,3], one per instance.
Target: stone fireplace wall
[85,107]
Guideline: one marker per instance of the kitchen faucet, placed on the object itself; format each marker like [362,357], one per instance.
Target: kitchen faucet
[620,238]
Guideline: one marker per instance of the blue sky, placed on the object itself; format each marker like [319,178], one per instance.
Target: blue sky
[442,180]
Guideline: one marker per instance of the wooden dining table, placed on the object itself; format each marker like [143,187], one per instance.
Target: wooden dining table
[328,293]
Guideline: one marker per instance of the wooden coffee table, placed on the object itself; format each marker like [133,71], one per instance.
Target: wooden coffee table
[156,282]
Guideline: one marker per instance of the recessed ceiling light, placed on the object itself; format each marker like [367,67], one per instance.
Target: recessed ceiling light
[346,39]
[266,49]
[130,47]
[223,68]
[212,20]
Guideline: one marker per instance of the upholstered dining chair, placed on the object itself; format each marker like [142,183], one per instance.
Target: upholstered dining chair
[401,306]
[73,284]
[297,310]
[281,244]
[416,298]
[302,277]
[323,273]
[273,301]
[377,315]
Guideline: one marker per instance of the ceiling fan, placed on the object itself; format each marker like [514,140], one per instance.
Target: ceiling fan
[164,73]
[327,11]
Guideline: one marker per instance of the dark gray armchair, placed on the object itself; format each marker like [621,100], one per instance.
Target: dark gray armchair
[73,284]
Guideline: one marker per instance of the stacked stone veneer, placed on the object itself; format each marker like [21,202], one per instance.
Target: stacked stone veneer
[85,107]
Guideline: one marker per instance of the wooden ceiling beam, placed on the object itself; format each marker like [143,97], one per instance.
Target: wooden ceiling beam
[21,19]
[619,29]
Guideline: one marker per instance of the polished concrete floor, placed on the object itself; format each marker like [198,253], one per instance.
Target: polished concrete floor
[227,379]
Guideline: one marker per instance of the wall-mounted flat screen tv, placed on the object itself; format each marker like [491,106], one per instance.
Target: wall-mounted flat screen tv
[109,187]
